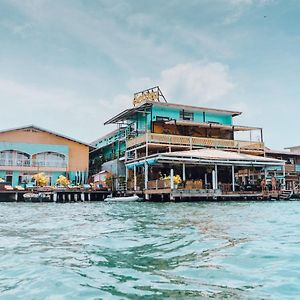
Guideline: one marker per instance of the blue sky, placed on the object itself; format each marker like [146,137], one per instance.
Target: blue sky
[70,65]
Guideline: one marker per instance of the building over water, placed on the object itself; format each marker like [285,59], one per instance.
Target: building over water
[25,151]
[156,140]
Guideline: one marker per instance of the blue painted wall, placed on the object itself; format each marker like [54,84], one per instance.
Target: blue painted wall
[199,116]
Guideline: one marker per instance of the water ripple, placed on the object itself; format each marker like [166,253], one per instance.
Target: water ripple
[245,250]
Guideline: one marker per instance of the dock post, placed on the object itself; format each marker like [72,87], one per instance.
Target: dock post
[16,196]
[54,197]
[69,197]
[89,196]
[82,197]
[233,178]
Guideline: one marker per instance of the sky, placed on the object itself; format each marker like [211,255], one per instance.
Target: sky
[69,65]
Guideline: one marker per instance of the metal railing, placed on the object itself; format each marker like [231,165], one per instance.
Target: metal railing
[33,163]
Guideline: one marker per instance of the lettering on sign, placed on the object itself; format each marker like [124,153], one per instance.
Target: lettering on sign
[153,94]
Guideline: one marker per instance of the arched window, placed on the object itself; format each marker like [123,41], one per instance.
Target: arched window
[49,159]
[14,158]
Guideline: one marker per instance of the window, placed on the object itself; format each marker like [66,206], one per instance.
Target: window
[186,115]
[49,159]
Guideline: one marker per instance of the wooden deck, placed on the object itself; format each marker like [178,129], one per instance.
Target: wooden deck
[184,194]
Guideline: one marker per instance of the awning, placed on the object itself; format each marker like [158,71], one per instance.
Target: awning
[151,161]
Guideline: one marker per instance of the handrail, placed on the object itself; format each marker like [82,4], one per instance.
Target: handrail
[193,141]
[31,163]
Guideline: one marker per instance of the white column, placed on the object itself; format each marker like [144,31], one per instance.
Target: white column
[205,180]
[134,177]
[213,178]
[233,178]
[216,174]
[183,172]
[126,177]
[172,178]
[146,175]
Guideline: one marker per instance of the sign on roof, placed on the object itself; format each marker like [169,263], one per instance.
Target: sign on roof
[154,94]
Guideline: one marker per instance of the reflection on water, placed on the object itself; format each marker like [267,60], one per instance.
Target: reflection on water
[150,250]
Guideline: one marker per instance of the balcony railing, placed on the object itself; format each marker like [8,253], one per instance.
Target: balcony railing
[29,163]
[179,140]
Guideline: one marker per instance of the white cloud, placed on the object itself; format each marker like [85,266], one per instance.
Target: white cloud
[197,83]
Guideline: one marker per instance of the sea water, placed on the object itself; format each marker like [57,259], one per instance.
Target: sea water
[195,250]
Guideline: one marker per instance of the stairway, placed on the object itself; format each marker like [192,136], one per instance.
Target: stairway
[286,194]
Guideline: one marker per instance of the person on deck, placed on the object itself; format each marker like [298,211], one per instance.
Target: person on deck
[274,183]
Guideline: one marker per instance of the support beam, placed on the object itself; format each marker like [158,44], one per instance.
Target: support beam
[216,174]
[213,178]
[233,178]
[172,178]
[146,175]
[183,172]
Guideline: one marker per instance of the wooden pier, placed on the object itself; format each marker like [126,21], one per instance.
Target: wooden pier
[55,196]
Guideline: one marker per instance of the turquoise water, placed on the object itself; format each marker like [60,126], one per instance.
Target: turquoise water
[228,250]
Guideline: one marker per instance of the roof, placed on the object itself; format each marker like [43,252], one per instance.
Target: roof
[196,108]
[294,147]
[111,133]
[281,152]
[44,130]
[213,156]
[128,112]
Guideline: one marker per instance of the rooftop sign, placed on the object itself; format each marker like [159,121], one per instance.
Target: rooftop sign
[154,94]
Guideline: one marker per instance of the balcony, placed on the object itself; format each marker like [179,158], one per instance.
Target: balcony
[195,142]
[27,163]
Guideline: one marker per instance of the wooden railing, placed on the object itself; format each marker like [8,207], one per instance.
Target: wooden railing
[179,140]
[290,168]
[158,184]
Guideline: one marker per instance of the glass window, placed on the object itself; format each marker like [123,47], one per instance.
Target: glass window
[186,115]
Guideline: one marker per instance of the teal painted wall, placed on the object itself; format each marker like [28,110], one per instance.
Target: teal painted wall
[173,113]
[2,174]
[222,119]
